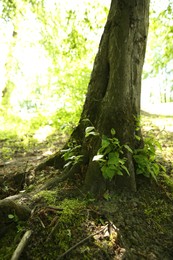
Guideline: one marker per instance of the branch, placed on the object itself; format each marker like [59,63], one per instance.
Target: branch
[21,245]
[81,242]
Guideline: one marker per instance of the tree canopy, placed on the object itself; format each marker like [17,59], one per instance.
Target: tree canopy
[59,46]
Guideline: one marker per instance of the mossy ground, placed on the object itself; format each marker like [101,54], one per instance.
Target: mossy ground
[142,222]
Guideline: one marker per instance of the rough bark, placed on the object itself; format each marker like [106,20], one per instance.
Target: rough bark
[113,97]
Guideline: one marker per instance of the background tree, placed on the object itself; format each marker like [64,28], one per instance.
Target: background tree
[113,97]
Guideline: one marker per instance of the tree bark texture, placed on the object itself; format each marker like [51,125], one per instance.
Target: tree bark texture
[113,98]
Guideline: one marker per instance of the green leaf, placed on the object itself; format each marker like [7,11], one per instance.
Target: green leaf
[72,157]
[125,168]
[67,164]
[113,159]
[101,220]
[10,216]
[156,168]
[89,131]
[107,150]
[105,143]
[115,142]
[113,132]
[112,166]
[128,148]
[162,167]
[98,157]
[119,173]
[107,172]
[122,161]
[137,137]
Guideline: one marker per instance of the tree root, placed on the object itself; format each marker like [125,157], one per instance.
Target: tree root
[54,160]
[62,177]
[9,207]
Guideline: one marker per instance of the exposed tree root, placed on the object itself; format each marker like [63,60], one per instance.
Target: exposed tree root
[55,160]
[62,177]
[9,207]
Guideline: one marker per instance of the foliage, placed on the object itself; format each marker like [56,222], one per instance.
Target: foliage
[20,225]
[110,157]
[158,61]
[161,26]
[145,159]
[64,42]
[112,161]
[90,130]
[8,9]
[71,155]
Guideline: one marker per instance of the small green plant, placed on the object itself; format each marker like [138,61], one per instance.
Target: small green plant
[112,161]
[91,131]
[71,155]
[145,159]
[110,156]
[19,224]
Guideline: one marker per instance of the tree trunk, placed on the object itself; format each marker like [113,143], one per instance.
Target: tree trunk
[113,98]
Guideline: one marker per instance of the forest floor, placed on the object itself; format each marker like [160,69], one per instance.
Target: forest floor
[65,223]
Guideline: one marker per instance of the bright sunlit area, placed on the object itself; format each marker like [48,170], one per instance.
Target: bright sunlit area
[47,54]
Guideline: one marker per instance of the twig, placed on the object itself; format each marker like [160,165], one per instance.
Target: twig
[81,242]
[53,230]
[42,224]
[21,245]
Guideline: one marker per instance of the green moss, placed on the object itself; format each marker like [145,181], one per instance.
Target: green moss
[46,195]
[69,223]
[8,244]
